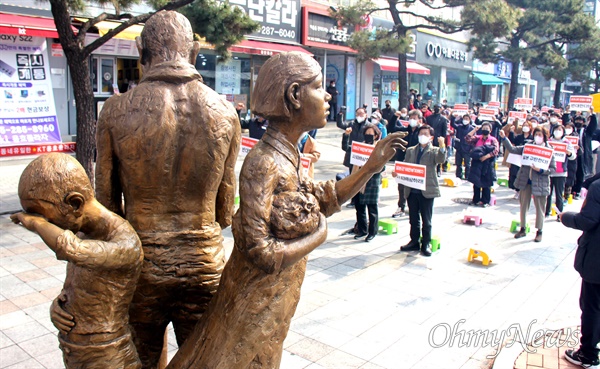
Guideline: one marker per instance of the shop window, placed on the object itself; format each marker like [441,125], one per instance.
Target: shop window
[102,73]
[231,78]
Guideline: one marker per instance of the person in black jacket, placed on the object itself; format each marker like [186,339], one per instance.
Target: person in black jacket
[585,162]
[587,263]
[256,126]
[354,129]
[440,127]
[388,113]
[462,128]
[333,102]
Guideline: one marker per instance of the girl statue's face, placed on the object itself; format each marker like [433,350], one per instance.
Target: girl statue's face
[314,106]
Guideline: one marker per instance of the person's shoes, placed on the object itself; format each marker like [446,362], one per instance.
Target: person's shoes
[426,250]
[369,238]
[359,236]
[480,204]
[521,233]
[483,205]
[576,358]
[547,215]
[411,246]
[472,203]
[558,218]
[538,237]
[399,213]
[516,195]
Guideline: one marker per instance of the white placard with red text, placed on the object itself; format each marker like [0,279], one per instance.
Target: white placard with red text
[404,123]
[580,103]
[560,150]
[524,104]
[247,145]
[360,153]
[573,140]
[461,109]
[539,156]
[305,162]
[545,109]
[487,114]
[411,175]
[520,116]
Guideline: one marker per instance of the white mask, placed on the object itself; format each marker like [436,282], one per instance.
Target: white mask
[412,122]
[424,140]
[533,125]
[526,129]
[558,134]
[465,122]
[538,140]
[360,119]
[553,120]
[568,131]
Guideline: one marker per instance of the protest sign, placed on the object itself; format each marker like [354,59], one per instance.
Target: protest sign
[539,156]
[580,103]
[487,114]
[305,162]
[360,153]
[524,104]
[573,140]
[247,144]
[461,109]
[560,150]
[519,116]
[410,175]
[514,159]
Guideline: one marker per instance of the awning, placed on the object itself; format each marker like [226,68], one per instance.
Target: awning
[392,65]
[23,25]
[264,48]
[130,33]
[488,79]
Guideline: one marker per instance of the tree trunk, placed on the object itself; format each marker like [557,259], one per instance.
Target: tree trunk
[86,117]
[557,88]
[514,83]
[402,82]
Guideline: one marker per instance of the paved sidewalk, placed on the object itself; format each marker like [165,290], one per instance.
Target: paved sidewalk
[363,305]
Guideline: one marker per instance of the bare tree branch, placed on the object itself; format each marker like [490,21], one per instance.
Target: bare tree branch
[430,6]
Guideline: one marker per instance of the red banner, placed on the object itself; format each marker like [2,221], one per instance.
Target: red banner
[68,147]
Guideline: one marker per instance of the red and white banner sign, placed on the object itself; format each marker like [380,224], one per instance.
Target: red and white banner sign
[360,153]
[305,162]
[545,109]
[539,156]
[411,175]
[68,147]
[404,123]
[461,109]
[494,104]
[560,150]
[580,103]
[524,104]
[247,145]
[573,140]
[520,116]
[487,114]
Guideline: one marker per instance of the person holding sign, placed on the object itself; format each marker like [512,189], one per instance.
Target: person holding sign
[420,202]
[532,180]
[563,153]
[586,127]
[573,138]
[462,128]
[483,172]
[518,140]
[368,197]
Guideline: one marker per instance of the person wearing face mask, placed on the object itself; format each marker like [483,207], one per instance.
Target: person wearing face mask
[585,162]
[393,124]
[420,203]
[483,172]
[366,200]
[559,177]
[532,180]
[440,126]
[333,102]
[388,113]
[380,122]
[412,139]
[518,140]
[462,149]
[354,129]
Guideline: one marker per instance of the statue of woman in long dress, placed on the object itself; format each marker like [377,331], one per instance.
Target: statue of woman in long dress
[281,219]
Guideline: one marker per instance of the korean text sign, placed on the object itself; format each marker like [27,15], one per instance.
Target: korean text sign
[27,110]
[580,103]
[560,150]
[247,145]
[524,104]
[360,153]
[411,175]
[539,156]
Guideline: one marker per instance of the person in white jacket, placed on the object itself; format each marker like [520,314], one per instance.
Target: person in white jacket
[559,177]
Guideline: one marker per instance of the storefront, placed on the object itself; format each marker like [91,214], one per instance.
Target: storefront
[527,87]
[328,42]
[486,86]
[450,65]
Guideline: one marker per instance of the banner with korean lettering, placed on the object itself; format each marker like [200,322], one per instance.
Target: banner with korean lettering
[487,114]
[305,163]
[524,104]
[560,150]
[27,111]
[461,109]
[539,156]
[247,145]
[360,153]
[279,19]
[411,175]
[573,140]
[580,103]
[66,147]
[519,116]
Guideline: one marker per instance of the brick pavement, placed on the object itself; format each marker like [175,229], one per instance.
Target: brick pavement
[363,305]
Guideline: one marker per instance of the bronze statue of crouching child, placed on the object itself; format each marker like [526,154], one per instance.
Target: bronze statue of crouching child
[104,261]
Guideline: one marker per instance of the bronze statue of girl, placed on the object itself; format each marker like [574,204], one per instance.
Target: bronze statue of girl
[248,319]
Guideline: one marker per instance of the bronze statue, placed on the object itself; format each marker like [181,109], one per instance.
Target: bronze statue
[248,320]
[169,148]
[103,266]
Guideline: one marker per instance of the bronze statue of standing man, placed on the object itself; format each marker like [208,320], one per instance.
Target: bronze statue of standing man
[169,147]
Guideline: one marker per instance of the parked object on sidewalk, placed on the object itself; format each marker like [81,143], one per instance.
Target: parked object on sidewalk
[390,226]
[474,254]
[516,225]
[472,218]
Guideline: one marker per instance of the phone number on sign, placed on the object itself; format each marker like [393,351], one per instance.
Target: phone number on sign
[265,30]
